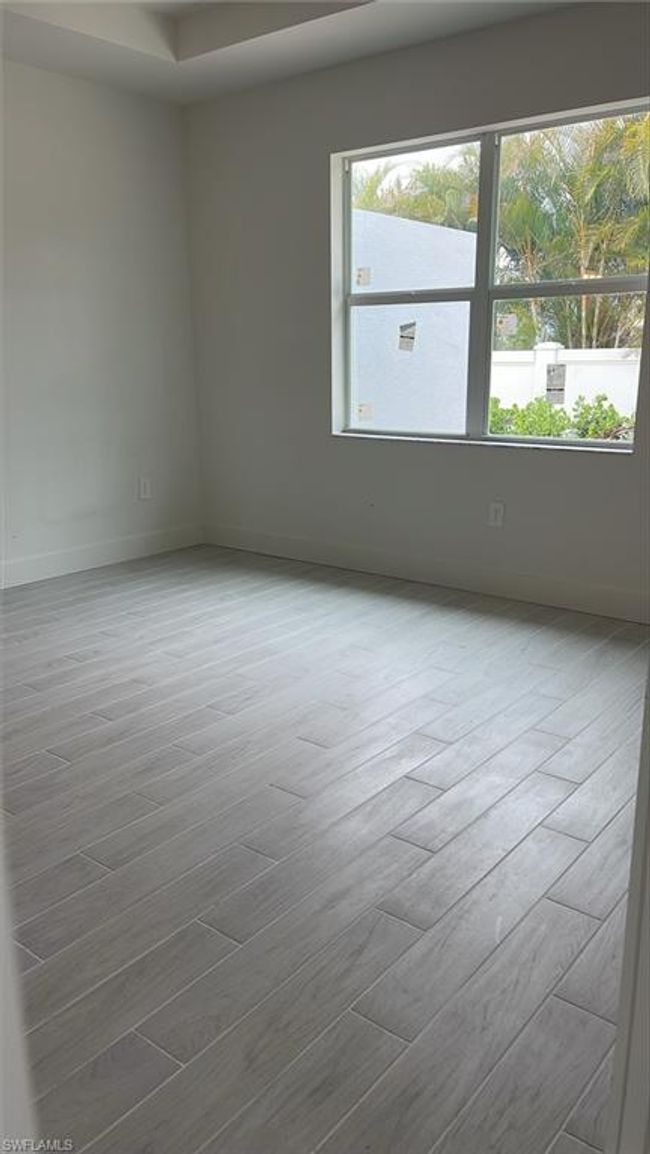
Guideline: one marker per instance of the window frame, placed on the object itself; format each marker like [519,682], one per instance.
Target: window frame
[481,297]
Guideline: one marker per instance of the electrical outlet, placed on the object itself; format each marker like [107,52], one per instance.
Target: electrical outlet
[144,488]
[496,514]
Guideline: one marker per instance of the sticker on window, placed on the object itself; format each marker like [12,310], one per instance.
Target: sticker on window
[407,337]
[555,383]
[363,277]
[364,411]
[507,324]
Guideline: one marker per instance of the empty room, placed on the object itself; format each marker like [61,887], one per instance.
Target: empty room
[325,561]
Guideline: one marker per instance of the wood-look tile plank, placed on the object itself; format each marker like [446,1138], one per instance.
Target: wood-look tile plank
[544,1072]
[575,675]
[462,804]
[37,738]
[423,898]
[577,759]
[88,696]
[456,761]
[244,913]
[312,776]
[92,1098]
[11,694]
[237,1067]
[140,721]
[476,708]
[87,793]
[426,977]
[576,713]
[112,894]
[72,1037]
[30,855]
[601,796]
[45,711]
[413,1104]
[106,763]
[594,980]
[589,1119]
[240,755]
[330,728]
[124,845]
[170,689]
[600,877]
[35,766]
[283,836]
[119,940]
[309,1098]
[188,1023]
[32,897]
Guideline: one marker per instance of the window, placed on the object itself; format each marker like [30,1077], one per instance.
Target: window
[495,286]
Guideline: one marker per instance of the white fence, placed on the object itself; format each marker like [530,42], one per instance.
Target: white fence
[517,377]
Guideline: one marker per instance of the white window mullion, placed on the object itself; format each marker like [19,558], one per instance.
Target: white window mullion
[408,297]
[347,281]
[594,286]
[480,336]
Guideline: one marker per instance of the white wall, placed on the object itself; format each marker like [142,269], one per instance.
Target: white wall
[518,377]
[98,355]
[576,530]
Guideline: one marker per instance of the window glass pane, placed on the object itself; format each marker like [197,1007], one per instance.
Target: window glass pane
[573,201]
[409,367]
[566,367]
[414,220]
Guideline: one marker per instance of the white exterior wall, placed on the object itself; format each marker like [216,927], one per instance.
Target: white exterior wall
[516,376]
[423,387]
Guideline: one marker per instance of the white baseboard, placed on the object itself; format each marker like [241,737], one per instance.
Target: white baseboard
[608,601]
[603,600]
[22,570]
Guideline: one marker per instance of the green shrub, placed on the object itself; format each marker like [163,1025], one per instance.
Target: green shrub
[600,420]
[589,420]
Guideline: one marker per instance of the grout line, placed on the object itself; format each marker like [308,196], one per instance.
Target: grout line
[82,853]
[587,1145]
[401,920]
[285,789]
[384,1029]
[583,1093]
[563,997]
[565,905]
[156,1046]
[408,841]
[215,930]
[32,953]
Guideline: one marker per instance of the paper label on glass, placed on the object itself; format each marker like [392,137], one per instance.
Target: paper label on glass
[507,324]
[407,337]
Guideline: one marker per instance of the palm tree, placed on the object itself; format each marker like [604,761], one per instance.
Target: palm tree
[574,202]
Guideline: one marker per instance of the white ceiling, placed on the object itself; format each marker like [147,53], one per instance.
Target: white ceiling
[190,51]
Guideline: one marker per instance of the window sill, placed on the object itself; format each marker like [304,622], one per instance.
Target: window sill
[621,448]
